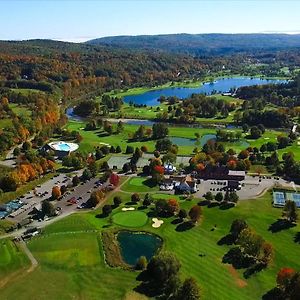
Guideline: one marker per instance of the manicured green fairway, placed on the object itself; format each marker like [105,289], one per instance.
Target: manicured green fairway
[139,185]
[130,218]
[92,139]
[69,250]
[12,258]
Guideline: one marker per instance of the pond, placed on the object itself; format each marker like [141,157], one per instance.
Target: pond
[181,141]
[133,245]
[220,86]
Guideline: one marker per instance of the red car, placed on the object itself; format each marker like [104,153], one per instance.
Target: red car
[73,200]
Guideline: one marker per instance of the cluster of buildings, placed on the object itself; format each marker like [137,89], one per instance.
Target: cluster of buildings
[189,183]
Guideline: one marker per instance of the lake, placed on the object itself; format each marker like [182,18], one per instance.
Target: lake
[220,86]
[133,245]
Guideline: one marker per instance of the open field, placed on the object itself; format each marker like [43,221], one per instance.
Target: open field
[62,246]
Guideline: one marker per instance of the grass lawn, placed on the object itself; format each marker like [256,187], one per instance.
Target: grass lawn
[139,184]
[12,259]
[68,251]
[130,218]
[61,255]
[19,109]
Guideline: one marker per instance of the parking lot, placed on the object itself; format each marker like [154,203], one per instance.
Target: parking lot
[43,192]
[251,187]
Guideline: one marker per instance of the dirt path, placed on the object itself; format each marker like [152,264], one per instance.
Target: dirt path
[32,259]
[22,272]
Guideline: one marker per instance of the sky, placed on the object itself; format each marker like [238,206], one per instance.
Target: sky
[80,20]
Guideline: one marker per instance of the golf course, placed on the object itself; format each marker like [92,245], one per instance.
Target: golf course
[71,258]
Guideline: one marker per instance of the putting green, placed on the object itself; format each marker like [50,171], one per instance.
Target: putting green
[130,218]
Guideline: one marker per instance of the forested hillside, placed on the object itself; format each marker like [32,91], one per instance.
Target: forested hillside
[71,65]
[200,44]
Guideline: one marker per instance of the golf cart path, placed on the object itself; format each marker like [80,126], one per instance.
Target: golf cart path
[32,259]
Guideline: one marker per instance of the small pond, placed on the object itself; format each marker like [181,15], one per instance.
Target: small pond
[133,245]
[181,141]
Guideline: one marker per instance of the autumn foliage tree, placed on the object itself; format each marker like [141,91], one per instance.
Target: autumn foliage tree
[56,193]
[195,213]
[284,276]
[173,206]
[114,179]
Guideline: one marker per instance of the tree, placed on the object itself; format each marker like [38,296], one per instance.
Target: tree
[284,277]
[75,180]
[182,214]
[219,197]
[209,196]
[117,200]
[195,213]
[266,254]
[159,130]
[126,167]
[135,198]
[96,197]
[189,290]
[99,154]
[162,268]
[163,145]
[173,206]
[233,197]
[255,132]
[290,211]
[48,208]
[56,193]
[87,174]
[16,152]
[250,242]
[26,146]
[129,150]
[63,189]
[8,183]
[118,149]
[141,264]
[147,200]
[106,209]
[245,128]
[237,226]
[114,179]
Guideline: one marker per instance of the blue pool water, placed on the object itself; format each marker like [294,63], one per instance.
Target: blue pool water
[64,147]
[219,86]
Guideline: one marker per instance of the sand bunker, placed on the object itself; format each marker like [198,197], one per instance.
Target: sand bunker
[128,208]
[157,223]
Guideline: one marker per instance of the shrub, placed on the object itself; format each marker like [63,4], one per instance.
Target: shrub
[141,264]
